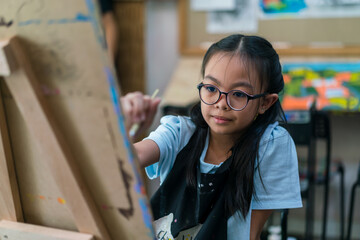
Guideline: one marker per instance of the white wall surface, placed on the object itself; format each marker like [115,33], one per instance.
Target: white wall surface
[161,43]
[161,51]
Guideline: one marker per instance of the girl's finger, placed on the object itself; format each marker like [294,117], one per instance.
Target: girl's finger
[137,102]
[151,111]
[146,106]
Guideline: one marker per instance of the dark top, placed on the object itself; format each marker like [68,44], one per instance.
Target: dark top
[187,212]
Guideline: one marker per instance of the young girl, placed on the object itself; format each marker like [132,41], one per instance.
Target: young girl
[224,169]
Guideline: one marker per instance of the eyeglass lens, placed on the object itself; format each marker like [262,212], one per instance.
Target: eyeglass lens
[210,94]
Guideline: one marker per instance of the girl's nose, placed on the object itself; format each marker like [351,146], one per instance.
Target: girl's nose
[222,103]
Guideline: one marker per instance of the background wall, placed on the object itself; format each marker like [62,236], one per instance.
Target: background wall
[162,54]
[161,60]
[161,43]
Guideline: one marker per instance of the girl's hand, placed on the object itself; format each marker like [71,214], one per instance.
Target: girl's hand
[139,109]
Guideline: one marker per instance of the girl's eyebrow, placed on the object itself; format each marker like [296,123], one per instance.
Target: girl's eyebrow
[212,79]
[234,85]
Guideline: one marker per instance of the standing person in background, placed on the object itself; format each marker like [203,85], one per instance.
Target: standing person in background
[110,27]
[228,166]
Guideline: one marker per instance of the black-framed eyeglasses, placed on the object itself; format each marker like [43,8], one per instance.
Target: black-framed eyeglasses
[236,99]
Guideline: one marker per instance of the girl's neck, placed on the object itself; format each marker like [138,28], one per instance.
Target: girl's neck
[219,148]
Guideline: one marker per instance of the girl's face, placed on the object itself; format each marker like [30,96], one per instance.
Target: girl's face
[228,73]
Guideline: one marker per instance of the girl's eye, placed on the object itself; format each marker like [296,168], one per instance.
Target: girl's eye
[210,88]
[239,94]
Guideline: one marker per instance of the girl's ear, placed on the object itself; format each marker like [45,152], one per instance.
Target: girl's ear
[267,102]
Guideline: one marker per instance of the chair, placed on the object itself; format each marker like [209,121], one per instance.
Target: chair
[307,133]
[283,221]
[352,201]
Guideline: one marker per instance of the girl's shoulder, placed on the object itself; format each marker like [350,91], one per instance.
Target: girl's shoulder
[179,121]
[274,133]
[181,126]
[173,132]
[276,140]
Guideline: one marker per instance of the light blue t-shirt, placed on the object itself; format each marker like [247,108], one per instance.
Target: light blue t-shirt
[277,159]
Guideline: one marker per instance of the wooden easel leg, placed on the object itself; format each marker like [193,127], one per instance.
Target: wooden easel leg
[32,105]
[10,206]
[22,231]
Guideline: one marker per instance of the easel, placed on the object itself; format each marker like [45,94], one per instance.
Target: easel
[21,81]
[66,162]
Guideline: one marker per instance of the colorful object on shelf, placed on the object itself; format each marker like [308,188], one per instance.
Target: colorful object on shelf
[282,6]
[326,85]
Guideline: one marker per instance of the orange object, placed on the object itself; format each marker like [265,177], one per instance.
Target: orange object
[297,103]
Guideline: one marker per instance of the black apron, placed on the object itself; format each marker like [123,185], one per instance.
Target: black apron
[185,212]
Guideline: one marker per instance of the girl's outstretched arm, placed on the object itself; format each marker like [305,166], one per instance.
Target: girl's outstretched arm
[141,109]
[148,152]
[258,219]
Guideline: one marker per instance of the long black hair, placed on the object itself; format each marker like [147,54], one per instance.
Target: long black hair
[260,57]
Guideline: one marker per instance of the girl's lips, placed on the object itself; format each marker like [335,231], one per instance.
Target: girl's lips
[220,119]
